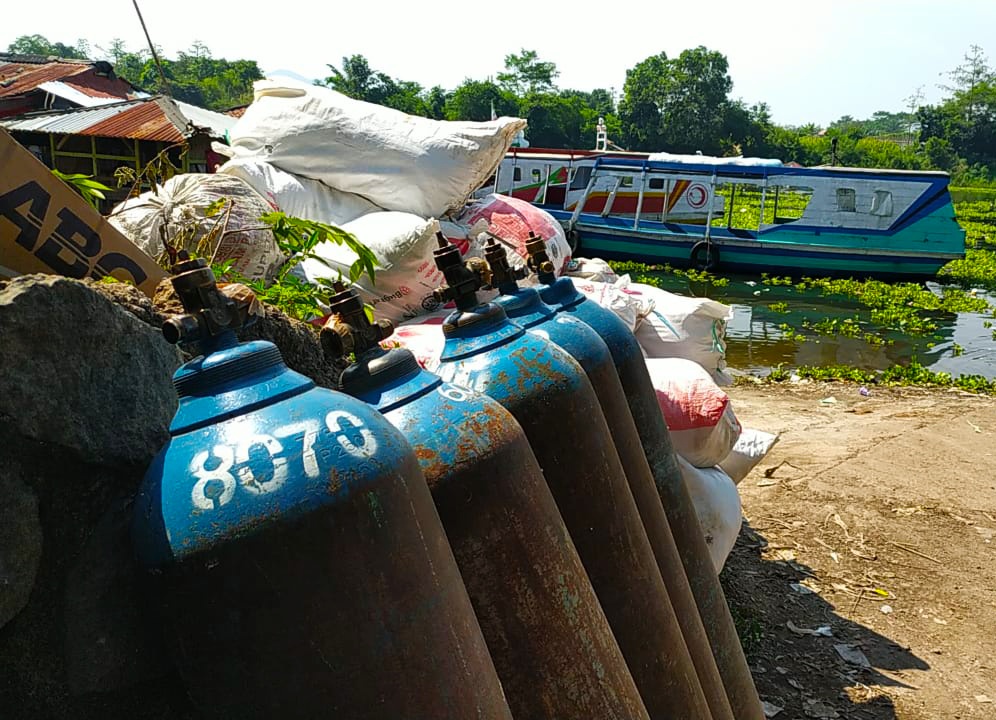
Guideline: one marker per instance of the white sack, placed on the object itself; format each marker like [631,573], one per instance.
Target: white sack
[612,296]
[181,202]
[685,327]
[703,426]
[511,220]
[717,504]
[397,161]
[407,275]
[299,196]
[748,451]
[591,269]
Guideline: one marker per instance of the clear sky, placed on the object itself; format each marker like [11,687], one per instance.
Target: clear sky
[811,62]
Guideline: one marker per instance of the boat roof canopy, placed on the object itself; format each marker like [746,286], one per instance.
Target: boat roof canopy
[759,171]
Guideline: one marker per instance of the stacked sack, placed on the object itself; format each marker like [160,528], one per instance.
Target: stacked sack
[392,180]
[683,341]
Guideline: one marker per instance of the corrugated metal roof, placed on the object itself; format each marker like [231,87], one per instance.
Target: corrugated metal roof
[155,118]
[217,123]
[68,92]
[19,78]
[22,74]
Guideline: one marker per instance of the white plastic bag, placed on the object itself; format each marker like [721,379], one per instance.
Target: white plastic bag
[407,275]
[748,451]
[299,196]
[717,504]
[678,326]
[614,297]
[591,269]
[511,220]
[181,205]
[703,426]
[397,161]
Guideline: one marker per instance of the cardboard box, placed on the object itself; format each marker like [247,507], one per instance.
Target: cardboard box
[46,227]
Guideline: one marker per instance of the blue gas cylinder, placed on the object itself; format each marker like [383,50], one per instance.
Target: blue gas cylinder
[551,397]
[291,547]
[677,503]
[555,659]
[524,306]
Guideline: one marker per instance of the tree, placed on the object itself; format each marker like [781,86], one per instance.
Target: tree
[474,100]
[640,109]
[554,121]
[526,73]
[39,45]
[680,104]
[358,80]
[194,76]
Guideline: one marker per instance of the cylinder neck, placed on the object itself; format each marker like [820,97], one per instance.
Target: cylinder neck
[539,261]
[462,283]
[382,378]
[503,276]
[213,314]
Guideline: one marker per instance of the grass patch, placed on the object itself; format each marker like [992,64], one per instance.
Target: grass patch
[912,375]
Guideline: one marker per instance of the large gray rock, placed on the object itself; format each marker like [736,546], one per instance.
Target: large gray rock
[20,541]
[81,373]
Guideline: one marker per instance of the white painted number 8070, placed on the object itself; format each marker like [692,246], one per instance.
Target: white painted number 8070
[214,487]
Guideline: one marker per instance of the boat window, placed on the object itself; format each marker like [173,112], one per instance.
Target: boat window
[516,174]
[846,200]
[882,203]
[656,183]
[626,182]
[537,175]
[786,204]
[738,206]
[580,178]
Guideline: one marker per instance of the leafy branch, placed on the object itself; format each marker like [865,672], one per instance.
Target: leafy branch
[90,189]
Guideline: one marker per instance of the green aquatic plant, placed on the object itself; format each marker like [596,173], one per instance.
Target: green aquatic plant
[913,374]
[650,274]
[778,307]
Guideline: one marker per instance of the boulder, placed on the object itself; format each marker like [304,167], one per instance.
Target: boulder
[81,373]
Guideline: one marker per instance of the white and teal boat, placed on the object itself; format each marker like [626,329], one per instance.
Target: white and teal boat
[747,215]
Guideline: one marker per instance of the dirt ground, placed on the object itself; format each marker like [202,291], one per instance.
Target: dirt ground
[869,534]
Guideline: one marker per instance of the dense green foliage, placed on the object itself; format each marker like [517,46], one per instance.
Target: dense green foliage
[679,104]
[194,76]
[38,45]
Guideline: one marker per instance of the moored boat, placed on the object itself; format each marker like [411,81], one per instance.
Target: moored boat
[742,214]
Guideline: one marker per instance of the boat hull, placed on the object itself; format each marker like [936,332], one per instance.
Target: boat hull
[749,255]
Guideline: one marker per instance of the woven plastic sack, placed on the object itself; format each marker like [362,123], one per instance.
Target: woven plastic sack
[397,161]
[180,210]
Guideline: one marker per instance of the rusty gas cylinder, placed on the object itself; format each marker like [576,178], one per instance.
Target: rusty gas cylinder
[549,394]
[524,306]
[677,503]
[292,549]
[550,640]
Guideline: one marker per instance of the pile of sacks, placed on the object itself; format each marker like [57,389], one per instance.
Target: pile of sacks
[683,340]
[392,180]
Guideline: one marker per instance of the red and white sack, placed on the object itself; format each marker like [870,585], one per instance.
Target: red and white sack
[683,327]
[407,275]
[698,413]
[423,337]
[748,451]
[397,161]
[298,196]
[717,505]
[612,296]
[511,220]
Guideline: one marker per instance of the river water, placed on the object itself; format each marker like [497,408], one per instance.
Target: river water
[756,344]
